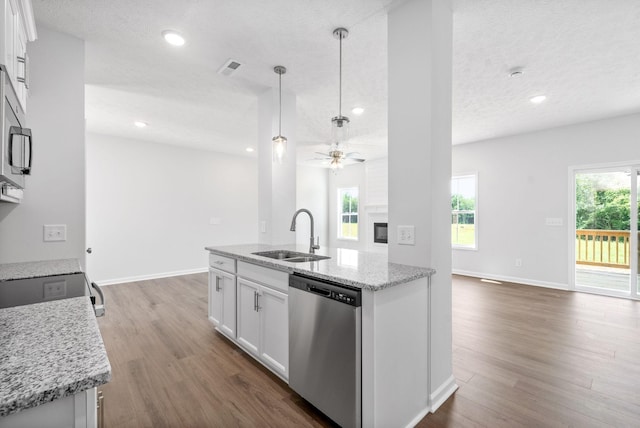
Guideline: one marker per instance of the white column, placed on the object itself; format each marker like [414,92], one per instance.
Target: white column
[420,55]
[276,181]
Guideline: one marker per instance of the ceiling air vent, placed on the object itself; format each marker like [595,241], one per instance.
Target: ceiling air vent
[229,67]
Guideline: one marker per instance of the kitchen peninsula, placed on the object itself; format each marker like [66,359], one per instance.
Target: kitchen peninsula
[394,328]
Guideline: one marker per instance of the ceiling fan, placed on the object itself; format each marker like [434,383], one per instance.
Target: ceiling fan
[337,158]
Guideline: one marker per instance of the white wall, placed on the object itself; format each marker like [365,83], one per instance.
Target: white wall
[524,179]
[312,189]
[149,207]
[54,192]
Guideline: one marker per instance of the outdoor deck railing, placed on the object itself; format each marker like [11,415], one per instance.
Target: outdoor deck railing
[608,248]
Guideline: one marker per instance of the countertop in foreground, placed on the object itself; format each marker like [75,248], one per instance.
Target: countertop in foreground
[9,271]
[359,269]
[48,351]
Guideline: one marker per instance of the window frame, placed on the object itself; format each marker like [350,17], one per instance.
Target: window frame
[340,213]
[474,247]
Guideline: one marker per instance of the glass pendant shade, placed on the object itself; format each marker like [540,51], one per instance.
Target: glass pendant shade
[279,148]
[339,129]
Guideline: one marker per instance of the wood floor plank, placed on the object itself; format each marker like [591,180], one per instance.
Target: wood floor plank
[523,356]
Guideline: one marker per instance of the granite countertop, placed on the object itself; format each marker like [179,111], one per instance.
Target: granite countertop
[359,269]
[49,351]
[9,271]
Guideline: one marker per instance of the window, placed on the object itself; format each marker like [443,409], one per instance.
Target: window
[464,232]
[348,213]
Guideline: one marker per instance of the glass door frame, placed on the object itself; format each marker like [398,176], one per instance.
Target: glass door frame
[632,166]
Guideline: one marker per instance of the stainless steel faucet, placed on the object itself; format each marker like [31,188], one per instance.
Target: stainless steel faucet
[312,244]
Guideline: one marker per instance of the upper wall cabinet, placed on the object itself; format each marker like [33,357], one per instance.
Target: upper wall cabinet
[19,29]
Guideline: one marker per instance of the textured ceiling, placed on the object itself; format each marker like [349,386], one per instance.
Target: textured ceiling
[582,54]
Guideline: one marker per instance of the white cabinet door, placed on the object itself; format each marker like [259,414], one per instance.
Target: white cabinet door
[9,48]
[215,298]
[248,316]
[222,301]
[22,64]
[273,307]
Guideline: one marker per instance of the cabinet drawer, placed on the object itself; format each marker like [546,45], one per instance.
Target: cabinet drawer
[223,263]
[271,277]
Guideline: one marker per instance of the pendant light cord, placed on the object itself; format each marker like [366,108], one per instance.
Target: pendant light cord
[340,85]
[280,110]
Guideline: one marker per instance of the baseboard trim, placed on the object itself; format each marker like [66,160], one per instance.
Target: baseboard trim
[151,276]
[517,280]
[444,391]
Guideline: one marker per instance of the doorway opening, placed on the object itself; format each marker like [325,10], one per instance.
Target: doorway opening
[604,239]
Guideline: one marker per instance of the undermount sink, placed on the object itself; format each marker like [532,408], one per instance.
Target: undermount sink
[291,256]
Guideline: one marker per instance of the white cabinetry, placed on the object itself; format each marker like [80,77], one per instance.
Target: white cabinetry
[249,304]
[76,411]
[19,28]
[263,316]
[222,295]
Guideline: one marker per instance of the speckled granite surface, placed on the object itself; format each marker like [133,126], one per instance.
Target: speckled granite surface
[48,351]
[368,271]
[10,271]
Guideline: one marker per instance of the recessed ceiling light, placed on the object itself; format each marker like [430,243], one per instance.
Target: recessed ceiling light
[140,124]
[357,111]
[173,37]
[249,149]
[537,99]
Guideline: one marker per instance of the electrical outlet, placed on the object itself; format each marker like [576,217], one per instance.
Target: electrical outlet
[406,235]
[54,290]
[55,232]
[518,262]
[553,221]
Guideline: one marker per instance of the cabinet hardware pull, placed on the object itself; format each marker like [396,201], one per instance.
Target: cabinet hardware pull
[255,301]
[258,302]
[218,262]
[24,79]
[100,410]
[217,283]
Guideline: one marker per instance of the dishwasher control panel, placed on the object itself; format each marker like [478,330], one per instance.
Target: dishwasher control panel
[329,290]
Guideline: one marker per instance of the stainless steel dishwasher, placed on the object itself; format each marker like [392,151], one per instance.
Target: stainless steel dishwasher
[325,347]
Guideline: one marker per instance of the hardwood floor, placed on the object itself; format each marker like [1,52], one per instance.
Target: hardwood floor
[522,356]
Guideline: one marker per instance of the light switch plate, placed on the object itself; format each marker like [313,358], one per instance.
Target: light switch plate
[55,232]
[406,235]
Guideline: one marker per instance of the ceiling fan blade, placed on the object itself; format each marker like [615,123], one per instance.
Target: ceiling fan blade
[326,155]
[352,155]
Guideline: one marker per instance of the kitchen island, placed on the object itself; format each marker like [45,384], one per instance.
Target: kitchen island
[52,356]
[359,269]
[394,329]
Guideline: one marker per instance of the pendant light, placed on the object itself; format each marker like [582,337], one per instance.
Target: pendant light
[279,142]
[340,123]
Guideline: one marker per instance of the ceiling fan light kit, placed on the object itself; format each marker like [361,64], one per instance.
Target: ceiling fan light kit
[279,142]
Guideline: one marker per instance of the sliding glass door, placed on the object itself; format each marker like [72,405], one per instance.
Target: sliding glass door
[606,231]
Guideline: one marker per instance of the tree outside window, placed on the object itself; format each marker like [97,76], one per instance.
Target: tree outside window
[348,213]
[463,212]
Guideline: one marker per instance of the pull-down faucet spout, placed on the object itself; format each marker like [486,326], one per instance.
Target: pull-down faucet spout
[312,244]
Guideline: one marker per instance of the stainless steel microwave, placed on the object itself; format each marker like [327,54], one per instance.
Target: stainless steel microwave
[17,144]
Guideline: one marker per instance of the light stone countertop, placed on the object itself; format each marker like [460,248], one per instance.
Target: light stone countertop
[49,351]
[358,269]
[9,271]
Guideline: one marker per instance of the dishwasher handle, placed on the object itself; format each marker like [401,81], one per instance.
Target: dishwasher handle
[317,290]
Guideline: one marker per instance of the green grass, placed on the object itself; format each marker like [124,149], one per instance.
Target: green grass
[463,234]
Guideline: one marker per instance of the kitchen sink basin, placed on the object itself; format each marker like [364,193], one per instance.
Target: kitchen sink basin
[291,256]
